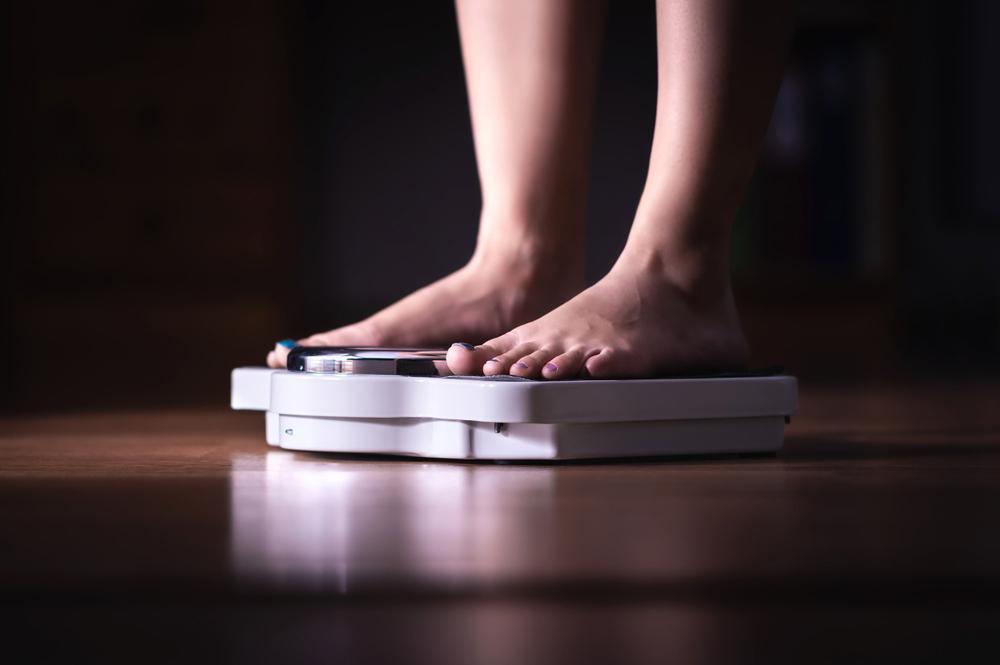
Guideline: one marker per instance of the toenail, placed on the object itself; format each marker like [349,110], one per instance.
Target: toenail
[492,360]
[521,365]
[550,367]
[287,343]
[467,347]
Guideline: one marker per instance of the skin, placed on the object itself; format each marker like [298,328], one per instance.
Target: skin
[666,306]
[531,74]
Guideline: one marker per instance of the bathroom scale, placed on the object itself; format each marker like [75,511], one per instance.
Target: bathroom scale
[405,402]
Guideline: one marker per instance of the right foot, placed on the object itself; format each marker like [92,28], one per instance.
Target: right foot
[493,293]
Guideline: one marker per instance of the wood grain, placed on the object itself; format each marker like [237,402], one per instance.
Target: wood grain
[879,519]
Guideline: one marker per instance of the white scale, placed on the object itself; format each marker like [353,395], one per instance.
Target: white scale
[403,402]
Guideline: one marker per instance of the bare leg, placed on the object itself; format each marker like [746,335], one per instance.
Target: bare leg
[667,305]
[530,69]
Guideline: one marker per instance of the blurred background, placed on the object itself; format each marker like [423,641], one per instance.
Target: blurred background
[186,182]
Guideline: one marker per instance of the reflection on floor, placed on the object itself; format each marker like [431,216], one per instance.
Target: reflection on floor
[315,522]
[179,536]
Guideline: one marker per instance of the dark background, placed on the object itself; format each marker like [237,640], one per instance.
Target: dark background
[186,182]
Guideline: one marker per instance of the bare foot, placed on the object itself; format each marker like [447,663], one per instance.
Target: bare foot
[495,291]
[641,320]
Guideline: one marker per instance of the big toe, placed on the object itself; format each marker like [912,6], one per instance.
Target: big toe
[465,358]
[278,358]
[468,359]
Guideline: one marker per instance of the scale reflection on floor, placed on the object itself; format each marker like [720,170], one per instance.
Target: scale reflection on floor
[318,523]
[336,524]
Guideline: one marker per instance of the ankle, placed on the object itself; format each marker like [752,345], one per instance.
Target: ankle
[533,268]
[700,270]
[535,252]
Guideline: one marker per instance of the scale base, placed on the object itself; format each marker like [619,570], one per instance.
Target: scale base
[466,440]
[478,418]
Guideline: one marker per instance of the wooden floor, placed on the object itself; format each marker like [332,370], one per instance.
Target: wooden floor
[873,537]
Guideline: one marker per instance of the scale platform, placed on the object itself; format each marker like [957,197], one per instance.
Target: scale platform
[402,402]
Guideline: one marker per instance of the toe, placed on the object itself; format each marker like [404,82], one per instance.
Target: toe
[501,364]
[466,359]
[564,366]
[530,366]
[604,365]
[279,356]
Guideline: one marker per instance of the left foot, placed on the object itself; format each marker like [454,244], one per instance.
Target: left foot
[641,320]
